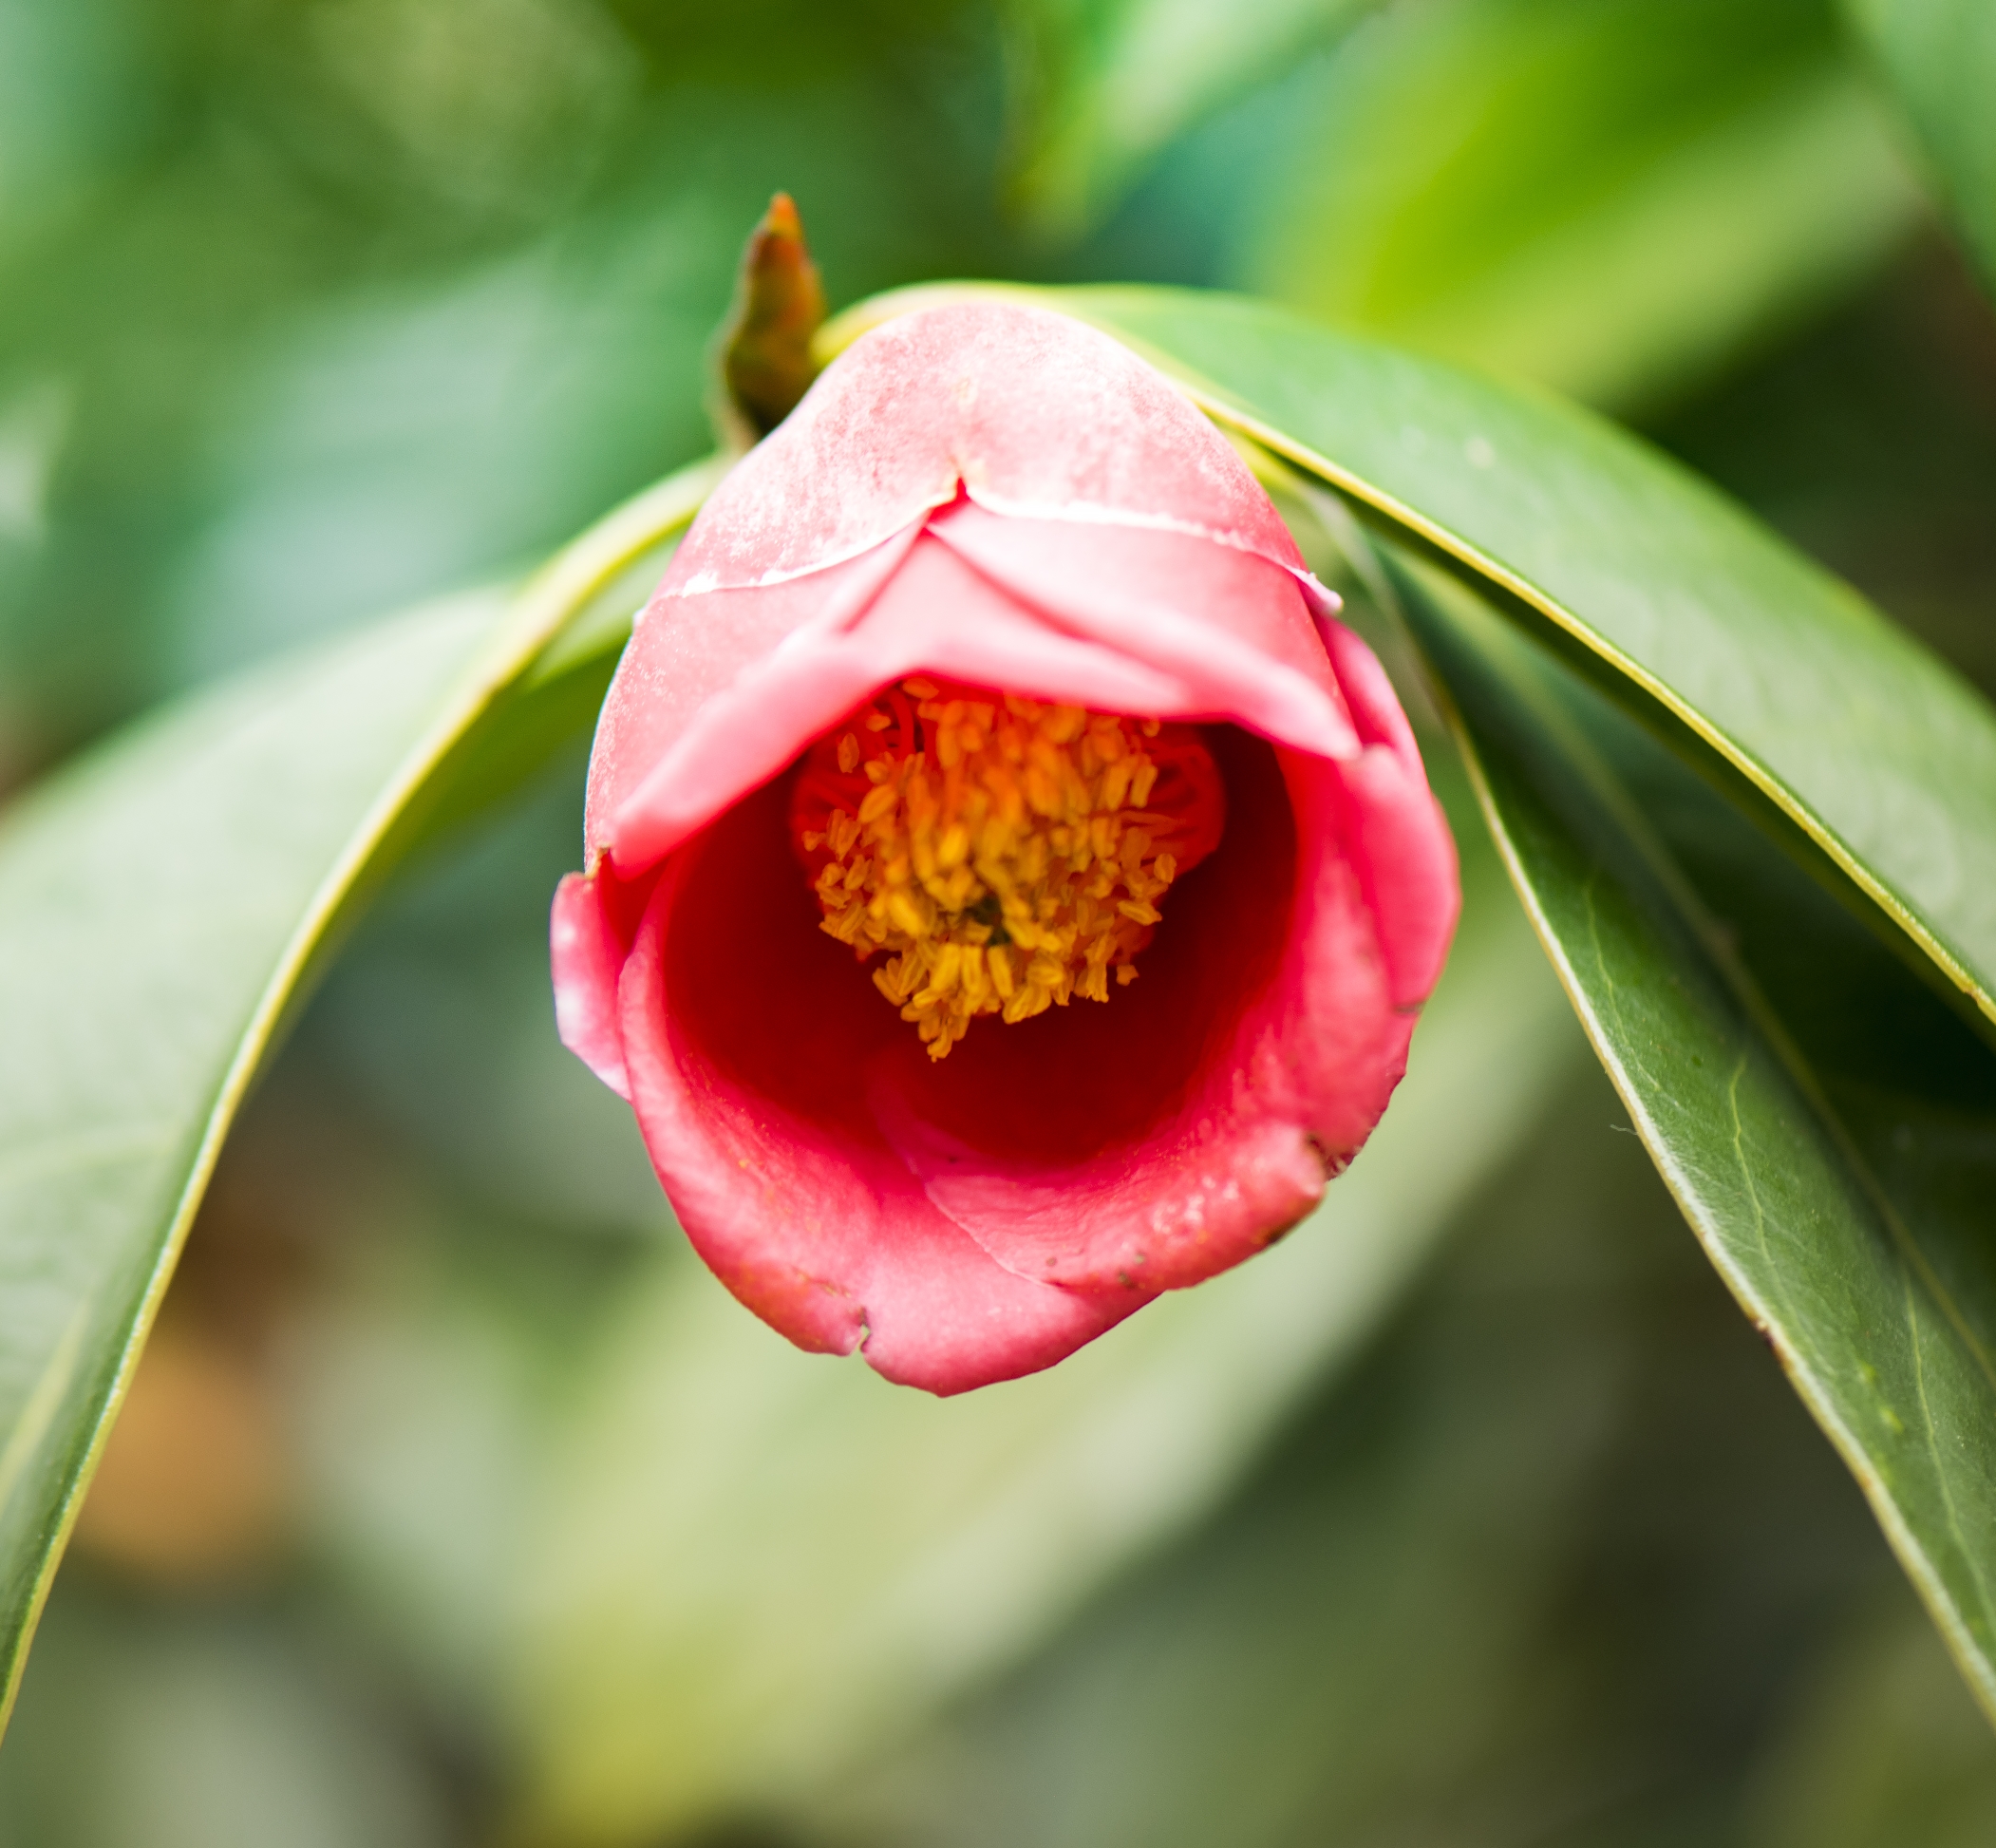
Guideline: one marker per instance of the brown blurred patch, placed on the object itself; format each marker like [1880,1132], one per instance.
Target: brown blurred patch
[195,1487]
[190,1488]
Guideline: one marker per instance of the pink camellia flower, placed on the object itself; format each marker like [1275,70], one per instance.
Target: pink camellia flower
[1009,890]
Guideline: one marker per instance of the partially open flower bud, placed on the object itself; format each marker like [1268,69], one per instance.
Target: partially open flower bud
[1010,888]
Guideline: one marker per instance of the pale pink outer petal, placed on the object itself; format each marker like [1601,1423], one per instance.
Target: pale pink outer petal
[1229,624]
[683,654]
[827,1241]
[1282,1108]
[587,959]
[934,615]
[1031,412]
[1108,636]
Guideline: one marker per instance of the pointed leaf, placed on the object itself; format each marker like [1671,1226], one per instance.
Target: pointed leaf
[1827,1125]
[162,902]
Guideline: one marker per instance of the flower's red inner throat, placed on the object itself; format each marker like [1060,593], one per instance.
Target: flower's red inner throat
[766,1004]
[995,854]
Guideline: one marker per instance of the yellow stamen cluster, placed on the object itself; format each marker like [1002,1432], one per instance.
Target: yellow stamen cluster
[1005,868]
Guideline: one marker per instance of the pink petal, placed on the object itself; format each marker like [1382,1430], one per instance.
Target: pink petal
[1231,627]
[685,653]
[744,1024]
[1285,1071]
[1368,695]
[998,495]
[587,958]
[1402,848]
[935,614]
[1123,620]
[1034,414]
[1403,853]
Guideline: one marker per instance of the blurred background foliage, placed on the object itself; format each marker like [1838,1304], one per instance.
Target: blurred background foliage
[453,1502]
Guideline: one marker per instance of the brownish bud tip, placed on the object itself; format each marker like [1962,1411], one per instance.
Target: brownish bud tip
[765,342]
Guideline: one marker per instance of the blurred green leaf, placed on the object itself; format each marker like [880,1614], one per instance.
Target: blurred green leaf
[810,1559]
[1940,56]
[1883,1753]
[65,102]
[161,904]
[1870,444]
[415,438]
[1103,86]
[1827,1125]
[424,285]
[438,1012]
[496,104]
[213,1725]
[1611,197]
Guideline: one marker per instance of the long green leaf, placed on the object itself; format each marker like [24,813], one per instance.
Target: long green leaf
[160,904]
[1827,1125]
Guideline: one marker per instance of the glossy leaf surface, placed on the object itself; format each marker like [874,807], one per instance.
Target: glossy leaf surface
[160,904]
[1834,1161]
